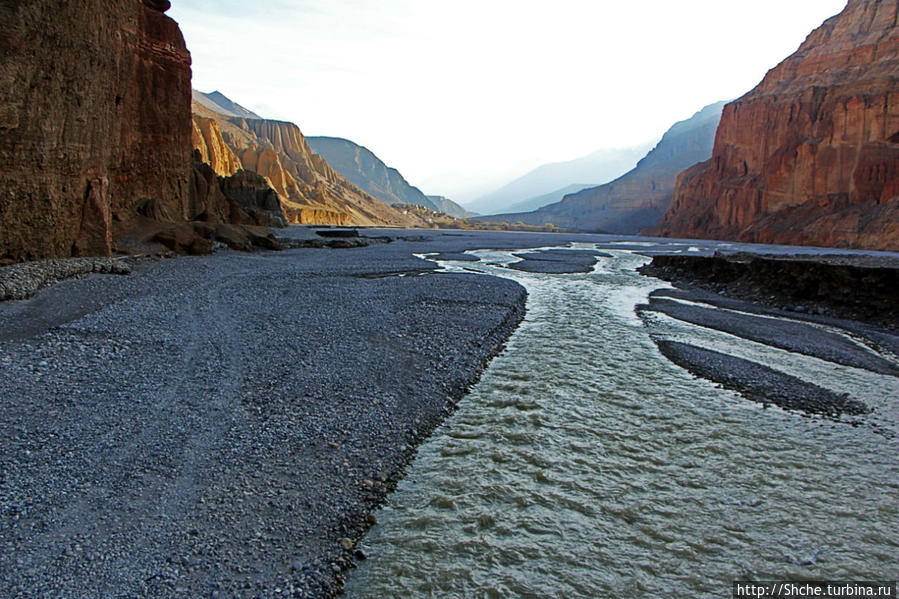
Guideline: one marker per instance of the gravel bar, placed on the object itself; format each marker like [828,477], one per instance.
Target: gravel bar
[778,332]
[759,383]
[223,426]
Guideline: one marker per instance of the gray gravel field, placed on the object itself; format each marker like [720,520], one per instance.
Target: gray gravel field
[222,426]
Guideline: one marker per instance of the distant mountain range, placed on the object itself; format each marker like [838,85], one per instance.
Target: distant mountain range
[545,199]
[637,200]
[598,167]
[361,166]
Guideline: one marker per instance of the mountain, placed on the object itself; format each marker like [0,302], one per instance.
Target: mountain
[310,191]
[218,102]
[545,199]
[447,206]
[639,198]
[811,155]
[598,167]
[368,172]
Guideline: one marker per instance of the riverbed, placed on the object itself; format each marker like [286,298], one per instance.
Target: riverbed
[585,464]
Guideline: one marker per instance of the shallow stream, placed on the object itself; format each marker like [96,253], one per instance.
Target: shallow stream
[585,464]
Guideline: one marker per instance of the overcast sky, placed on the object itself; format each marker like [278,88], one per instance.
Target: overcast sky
[465,93]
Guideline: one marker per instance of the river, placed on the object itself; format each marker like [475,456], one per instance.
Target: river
[585,464]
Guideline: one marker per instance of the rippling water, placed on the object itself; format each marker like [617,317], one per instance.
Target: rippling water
[584,464]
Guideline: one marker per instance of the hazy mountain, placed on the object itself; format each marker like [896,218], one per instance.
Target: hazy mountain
[447,206]
[367,171]
[598,167]
[217,102]
[547,198]
[638,199]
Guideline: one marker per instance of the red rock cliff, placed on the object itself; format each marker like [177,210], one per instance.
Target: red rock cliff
[811,155]
[95,120]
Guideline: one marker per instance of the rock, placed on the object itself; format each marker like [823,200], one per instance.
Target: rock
[160,5]
[347,544]
[255,197]
[155,209]
[267,240]
[122,117]
[234,237]
[183,240]
[811,155]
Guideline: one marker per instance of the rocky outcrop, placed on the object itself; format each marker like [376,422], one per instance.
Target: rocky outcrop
[310,191]
[368,172]
[254,197]
[638,199]
[94,120]
[811,155]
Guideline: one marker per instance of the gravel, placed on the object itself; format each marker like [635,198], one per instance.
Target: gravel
[777,332]
[21,281]
[759,383]
[557,261]
[224,425]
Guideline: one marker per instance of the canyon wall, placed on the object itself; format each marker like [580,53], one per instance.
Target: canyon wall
[95,121]
[310,191]
[811,155]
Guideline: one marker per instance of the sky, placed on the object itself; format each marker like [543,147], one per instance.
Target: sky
[463,96]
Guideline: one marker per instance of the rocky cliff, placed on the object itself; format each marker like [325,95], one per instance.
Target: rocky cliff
[638,199]
[310,191]
[811,155]
[94,121]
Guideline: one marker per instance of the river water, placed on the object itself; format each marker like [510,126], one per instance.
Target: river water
[584,464]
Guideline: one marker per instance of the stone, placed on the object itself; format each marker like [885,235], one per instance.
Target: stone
[811,155]
[234,237]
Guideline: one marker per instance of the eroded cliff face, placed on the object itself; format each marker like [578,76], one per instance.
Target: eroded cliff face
[811,155]
[94,122]
[310,191]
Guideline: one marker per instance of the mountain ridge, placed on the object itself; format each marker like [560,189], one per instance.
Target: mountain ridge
[638,199]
